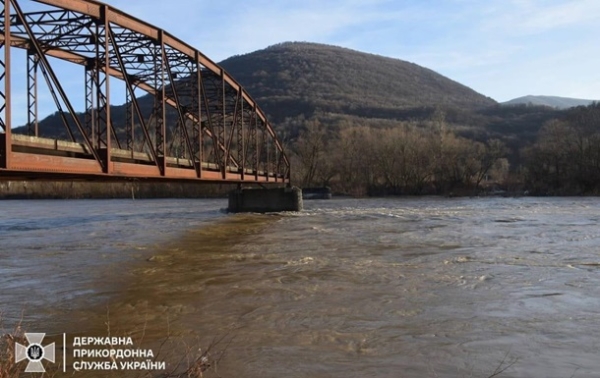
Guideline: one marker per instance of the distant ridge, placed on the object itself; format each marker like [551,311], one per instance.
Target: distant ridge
[299,78]
[551,101]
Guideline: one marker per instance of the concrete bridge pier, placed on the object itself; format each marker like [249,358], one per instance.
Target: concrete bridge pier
[265,200]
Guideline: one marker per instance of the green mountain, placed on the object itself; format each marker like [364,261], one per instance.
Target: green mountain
[550,101]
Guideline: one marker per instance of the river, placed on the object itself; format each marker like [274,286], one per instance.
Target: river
[409,287]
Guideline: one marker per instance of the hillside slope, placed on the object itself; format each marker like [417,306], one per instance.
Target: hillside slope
[304,79]
[295,78]
[551,101]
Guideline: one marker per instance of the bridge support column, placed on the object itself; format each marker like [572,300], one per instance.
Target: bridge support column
[265,200]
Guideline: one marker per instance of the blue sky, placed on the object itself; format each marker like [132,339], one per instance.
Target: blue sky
[500,48]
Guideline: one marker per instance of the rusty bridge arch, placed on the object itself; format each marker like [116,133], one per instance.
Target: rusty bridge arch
[202,126]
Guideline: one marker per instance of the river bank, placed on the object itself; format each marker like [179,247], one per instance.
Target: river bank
[110,190]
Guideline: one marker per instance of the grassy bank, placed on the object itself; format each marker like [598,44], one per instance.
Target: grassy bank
[85,190]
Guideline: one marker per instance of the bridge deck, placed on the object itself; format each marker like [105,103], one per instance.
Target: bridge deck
[45,158]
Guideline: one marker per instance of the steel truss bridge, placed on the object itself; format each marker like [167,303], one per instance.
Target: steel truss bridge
[197,124]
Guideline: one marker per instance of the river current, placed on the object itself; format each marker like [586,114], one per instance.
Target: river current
[410,287]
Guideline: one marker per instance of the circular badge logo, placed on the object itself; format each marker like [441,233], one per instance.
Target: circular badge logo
[35,352]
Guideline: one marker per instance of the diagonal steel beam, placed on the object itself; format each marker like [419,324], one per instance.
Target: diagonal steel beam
[44,62]
[63,117]
[233,128]
[180,112]
[135,102]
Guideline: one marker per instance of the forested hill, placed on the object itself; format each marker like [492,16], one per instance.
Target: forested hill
[296,78]
[294,82]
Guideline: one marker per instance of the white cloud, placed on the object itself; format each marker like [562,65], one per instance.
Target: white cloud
[559,16]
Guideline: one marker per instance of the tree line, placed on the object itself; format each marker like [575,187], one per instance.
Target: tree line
[565,158]
[431,157]
[411,158]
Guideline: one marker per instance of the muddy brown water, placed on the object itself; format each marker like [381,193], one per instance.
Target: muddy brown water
[420,287]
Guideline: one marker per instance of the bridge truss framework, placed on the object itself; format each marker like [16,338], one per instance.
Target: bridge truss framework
[202,124]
